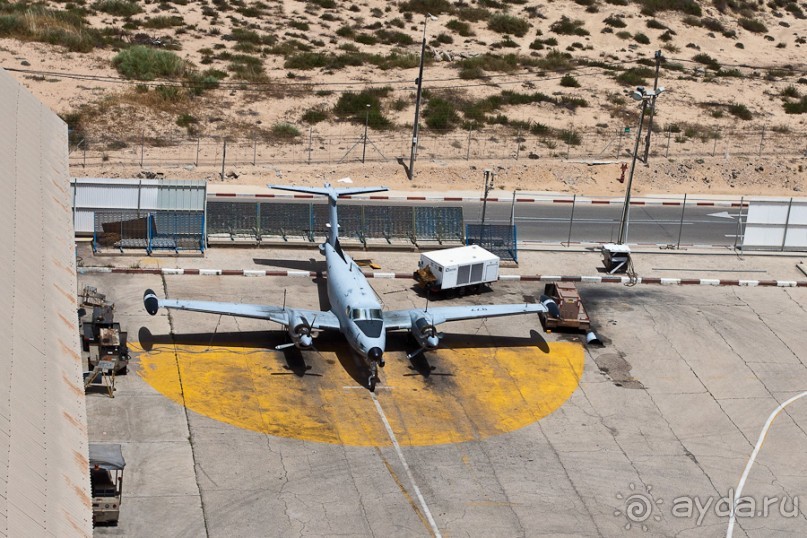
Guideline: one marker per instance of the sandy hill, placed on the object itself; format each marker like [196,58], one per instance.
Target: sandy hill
[126,70]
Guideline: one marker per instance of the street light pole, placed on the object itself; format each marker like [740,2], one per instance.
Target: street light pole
[645,97]
[652,111]
[411,170]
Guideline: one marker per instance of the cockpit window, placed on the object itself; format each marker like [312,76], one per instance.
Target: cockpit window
[370,321]
[358,314]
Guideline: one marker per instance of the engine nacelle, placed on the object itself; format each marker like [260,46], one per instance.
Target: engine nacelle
[424,331]
[300,332]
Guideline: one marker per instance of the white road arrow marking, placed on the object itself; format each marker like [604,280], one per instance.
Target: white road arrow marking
[722,215]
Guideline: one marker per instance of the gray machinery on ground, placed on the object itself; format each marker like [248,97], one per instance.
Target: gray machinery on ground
[105,341]
[106,482]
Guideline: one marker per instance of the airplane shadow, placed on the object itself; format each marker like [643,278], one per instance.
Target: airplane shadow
[310,264]
[293,357]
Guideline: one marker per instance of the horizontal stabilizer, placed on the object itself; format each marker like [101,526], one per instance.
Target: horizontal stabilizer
[331,192]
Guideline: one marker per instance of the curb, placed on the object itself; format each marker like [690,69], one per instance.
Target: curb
[509,199]
[585,279]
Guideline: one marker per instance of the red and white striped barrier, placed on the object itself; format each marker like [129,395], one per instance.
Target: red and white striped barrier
[508,199]
[584,279]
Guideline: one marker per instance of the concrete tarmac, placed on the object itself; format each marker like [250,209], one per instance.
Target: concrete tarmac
[653,432]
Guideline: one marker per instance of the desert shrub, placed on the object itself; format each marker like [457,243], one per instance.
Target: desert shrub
[462,28]
[790,91]
[708,61]
[353,107]
[443,39]
[186,120]
[284,131]
[246,67]
[507,24]
[556,61]
[641,38]
[435,7]
[440,114]
[315,115]
[752,25]
[162,22]
[568,81]
[713,25]
[473,14]
[394,37]
[624,34]
[198,83]
[146,63]
[635,76]
[476,66]
[797,107]
[299,25]
[689,7]
[614,22]
[567,26]
[653,24]
[366,39]
[306,60]
[118,8]
[690,20]
[740,111]
[570,137]
[666,37]
[56,27]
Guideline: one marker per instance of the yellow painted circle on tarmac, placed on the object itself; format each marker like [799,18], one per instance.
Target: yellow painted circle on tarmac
[470,395]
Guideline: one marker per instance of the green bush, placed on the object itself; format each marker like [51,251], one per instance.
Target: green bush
[306,60]
[246,67]
[353,107]
[118,8]
[635,76]
[473,14]
[614,22]
[641,38]
[740,111]
[568,81]
[752,25]
[145,63]
[556,61]
[791,91]
[440,114]
[435,7]
[567,26]
[689,7]
[462,28]
[315,115]
[507,24]
[570,137]
[162,22]
[708,61]
[798,107]
[284,131]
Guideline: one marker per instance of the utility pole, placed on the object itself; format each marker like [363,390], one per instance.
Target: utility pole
[411,170]
[489,178]
[652,110]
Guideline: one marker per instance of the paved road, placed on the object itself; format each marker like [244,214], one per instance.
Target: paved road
[598,223]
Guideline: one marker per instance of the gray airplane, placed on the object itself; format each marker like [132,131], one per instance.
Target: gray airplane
[355,308]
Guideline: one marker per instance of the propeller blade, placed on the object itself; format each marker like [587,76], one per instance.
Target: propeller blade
[284,346]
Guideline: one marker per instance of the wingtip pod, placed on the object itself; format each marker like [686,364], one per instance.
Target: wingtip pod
[151,302]
[551,306]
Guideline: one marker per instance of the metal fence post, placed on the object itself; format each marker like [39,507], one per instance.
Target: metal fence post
[571,220]
[254,149]
[667,151]
[142,144]
[518,142]
[787,222]
[84,148]
[196,163]
[761,140]
[681,224]
[310,133]
[468,151]
[223,158]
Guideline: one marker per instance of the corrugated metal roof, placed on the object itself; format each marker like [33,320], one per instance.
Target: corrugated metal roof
[44,478]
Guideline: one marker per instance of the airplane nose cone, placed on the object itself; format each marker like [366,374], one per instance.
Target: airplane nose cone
[375,354]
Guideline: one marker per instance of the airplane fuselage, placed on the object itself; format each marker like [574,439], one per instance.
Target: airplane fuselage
[355,304]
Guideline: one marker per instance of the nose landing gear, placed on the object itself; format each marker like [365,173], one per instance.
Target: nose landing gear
[373,378]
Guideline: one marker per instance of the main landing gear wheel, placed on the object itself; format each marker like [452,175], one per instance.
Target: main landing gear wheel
[371,381]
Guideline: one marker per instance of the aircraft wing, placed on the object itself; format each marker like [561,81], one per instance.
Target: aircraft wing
[278,314]
[402,319]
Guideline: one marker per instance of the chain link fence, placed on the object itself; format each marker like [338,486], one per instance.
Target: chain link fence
[259,221]
[386,146]
[157,230]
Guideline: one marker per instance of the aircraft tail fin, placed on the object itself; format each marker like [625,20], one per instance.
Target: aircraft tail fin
[333,194]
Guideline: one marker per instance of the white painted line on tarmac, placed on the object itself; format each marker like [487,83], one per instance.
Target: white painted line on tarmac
[757,448]
[391,434]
